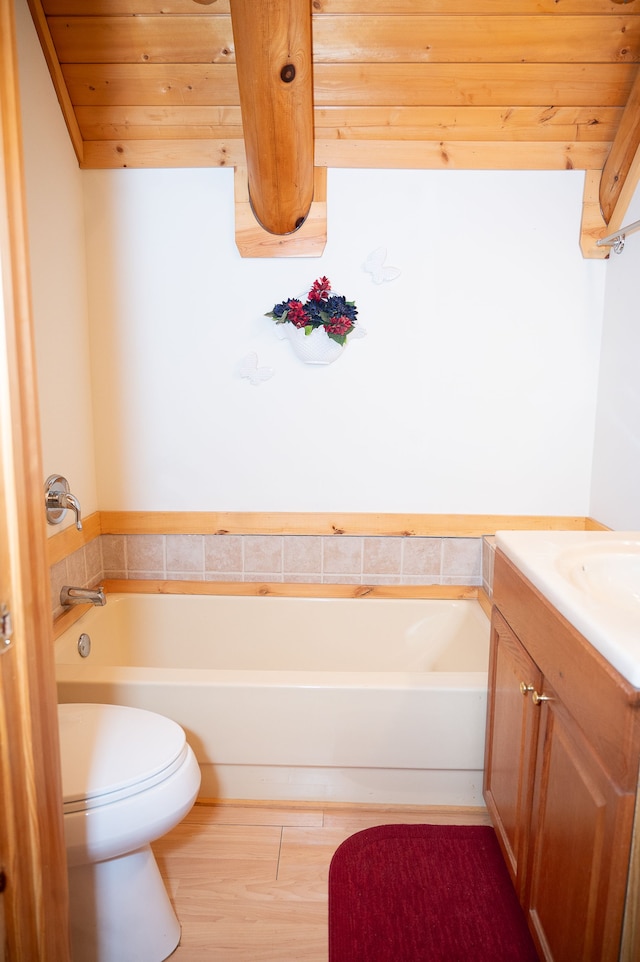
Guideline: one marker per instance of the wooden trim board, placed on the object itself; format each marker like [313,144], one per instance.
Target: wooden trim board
[325,523]
[65,542]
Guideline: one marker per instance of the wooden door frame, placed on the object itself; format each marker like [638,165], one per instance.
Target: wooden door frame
[32,851]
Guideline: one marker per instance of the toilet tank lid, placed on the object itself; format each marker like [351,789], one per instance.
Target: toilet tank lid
[107,748]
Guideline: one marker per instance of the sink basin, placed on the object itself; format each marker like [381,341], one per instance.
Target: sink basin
[609,573]
[593,579]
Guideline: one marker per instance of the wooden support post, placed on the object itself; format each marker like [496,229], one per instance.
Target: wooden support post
[593,225]
[622,155]
[274,65]
[252,240]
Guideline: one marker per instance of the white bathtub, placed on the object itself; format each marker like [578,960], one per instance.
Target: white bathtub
[363,700]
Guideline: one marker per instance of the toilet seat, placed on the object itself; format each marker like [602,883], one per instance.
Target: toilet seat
[111,752]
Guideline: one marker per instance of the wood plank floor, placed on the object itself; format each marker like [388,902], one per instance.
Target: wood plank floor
[248,880]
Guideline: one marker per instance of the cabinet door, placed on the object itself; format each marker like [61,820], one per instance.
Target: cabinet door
[510,752]
[580,838]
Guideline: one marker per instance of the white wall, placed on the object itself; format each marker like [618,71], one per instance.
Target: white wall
[616,465]
[58,272]
[474,390]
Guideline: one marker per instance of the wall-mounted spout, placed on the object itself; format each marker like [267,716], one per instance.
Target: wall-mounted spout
[58,499]
[82,596]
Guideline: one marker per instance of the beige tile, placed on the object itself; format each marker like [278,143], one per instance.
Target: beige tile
[342,555]
[93,558]
[461,557]
[184,575]
[457,580]
[223,553]
[77,568]
[381,556]
[184,552]
[355,579]
[302,555]
[488,563]
[422,556]
[262,553]
[57,578]
[421,580]
[113,552]
[381,579]
[145,552]
[266,576]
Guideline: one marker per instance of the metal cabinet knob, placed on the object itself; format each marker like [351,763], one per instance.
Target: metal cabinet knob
[538,698]
[524,688]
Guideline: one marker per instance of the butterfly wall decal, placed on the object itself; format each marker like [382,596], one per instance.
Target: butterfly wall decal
[248,367]
[375,265]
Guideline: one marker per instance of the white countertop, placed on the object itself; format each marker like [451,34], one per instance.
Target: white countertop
[593,579]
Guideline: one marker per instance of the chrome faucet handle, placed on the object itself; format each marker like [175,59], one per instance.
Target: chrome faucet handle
[58,498]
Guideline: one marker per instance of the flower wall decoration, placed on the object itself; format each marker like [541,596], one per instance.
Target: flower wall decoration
[321,309]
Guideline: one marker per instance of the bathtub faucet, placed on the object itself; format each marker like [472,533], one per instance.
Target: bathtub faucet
[82,596]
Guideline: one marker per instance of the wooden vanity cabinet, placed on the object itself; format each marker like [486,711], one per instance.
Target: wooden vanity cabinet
[510,752]
[561,771]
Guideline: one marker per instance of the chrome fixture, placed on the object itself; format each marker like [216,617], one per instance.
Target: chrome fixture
[617,239]
[84,645]
[57,499]
[82,596]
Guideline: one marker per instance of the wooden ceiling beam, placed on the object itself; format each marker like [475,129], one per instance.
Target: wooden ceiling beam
[59,83]
[275,79]
[622,155]
[335,152]
[473,8]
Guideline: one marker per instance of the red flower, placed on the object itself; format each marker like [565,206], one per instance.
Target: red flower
[320,289]
[339,325]
[297,314]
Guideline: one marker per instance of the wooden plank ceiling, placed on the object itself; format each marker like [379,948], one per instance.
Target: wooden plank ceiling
[481,84]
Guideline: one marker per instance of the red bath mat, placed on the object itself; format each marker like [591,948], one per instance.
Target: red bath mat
[424,893]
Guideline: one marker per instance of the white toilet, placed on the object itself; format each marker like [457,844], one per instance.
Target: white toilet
[128,777]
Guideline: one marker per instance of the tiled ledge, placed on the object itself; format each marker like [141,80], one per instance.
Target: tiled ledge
[348,560]
[488,560]
[284,548]
[272,559]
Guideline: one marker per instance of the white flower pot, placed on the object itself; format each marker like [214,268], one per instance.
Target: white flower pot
[314,348]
